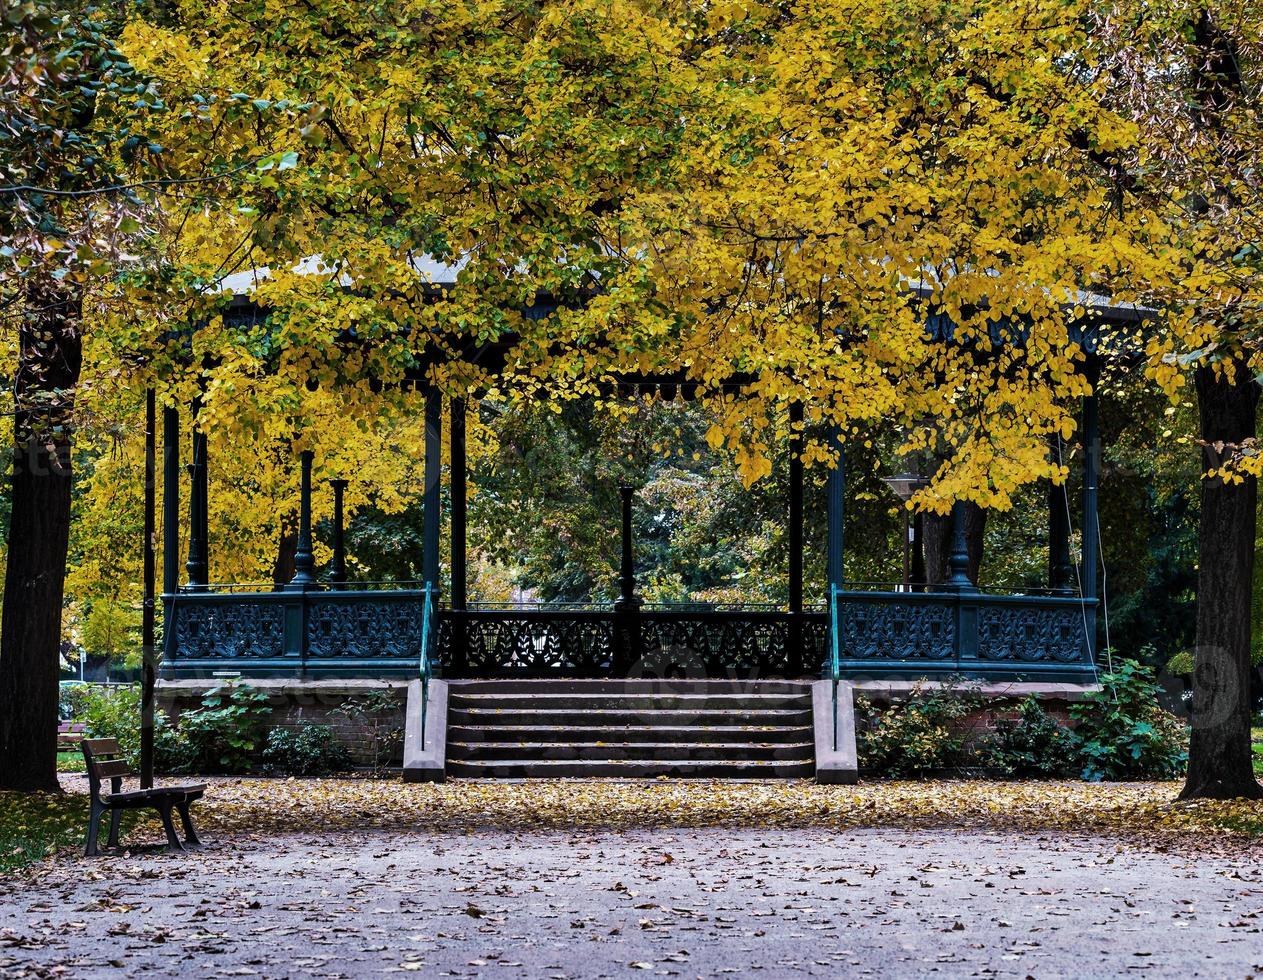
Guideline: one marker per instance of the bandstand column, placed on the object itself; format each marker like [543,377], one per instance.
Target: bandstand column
[1091,476]
[304,559]
[460,581]
[433,474]
[958,560]
[796,507]
[337,573]
[835,501]
[1060,571]
[198,562]
[627,647]
[795,645]
[170,499]
[456,409]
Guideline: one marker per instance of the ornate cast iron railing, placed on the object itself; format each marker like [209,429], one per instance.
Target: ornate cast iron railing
[924,634]
[355,632]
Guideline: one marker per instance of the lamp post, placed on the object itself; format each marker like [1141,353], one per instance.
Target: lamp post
[904,486]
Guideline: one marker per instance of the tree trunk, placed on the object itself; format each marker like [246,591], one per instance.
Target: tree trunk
[1219,757]
[39,533]
[937,543]
[283,567]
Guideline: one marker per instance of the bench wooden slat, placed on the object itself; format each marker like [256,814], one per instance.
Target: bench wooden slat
[102,746]
[108,768]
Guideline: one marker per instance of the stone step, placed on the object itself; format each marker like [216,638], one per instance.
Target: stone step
[629,768]
[629,733]
[648,703]
[618,717]
[647,685]
[620,751]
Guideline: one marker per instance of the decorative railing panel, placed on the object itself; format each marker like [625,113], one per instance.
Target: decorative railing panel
[229,631]
[970,633]
[554,642]
[875,628]
[1018,631]
[342,625]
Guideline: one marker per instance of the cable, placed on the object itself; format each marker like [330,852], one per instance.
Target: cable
[1105,606]
[1078,577]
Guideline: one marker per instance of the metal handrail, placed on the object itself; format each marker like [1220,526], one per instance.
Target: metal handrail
[835,657]
[424,666]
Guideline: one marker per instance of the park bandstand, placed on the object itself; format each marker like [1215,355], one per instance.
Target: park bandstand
[568,660]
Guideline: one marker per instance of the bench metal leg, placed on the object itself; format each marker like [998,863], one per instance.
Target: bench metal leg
[115,817]
[190,835]
[94,828]
[173,841]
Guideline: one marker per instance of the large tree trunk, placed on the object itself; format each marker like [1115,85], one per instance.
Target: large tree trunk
[39,533]
[937,543]
[1219,758]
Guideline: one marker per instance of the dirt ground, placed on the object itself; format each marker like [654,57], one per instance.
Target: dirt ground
[707,902]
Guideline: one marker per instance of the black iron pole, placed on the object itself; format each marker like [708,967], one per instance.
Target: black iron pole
[304,559]
[627,608]
[796,507]
[460,573]
[1091,474]
[198,564]
[432,518]
[836,507]
[337,574]
[907,550]
[627,566]
[1060,571]
[457,476]
[170,499]
[958,562]
[147,675]
[795,536]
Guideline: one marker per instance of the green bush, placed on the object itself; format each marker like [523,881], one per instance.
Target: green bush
[113,711]
[225,734]
[70,699]
[1032,745]
[919,735]
[312,750]
[1123,732]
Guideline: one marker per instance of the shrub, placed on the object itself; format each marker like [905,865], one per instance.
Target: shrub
[1031,745]
[113,711]
[918,735]
[225,734]
[70,700]
[312,750]
[378,712]
[1123,733]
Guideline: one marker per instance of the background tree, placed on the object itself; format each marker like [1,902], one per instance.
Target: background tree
[1190,76]
[60,71]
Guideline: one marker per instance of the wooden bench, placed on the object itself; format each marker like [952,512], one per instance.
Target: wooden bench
[69,735]
[104,761]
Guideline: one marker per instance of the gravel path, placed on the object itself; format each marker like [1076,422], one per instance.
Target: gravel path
[705,903]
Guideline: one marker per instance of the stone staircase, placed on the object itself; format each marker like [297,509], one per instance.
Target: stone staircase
[634,728]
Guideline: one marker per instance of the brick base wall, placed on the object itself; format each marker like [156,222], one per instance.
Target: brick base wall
[296,704]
